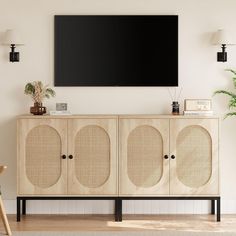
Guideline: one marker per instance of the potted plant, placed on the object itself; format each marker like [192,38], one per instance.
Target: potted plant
[232,96]
[38,92]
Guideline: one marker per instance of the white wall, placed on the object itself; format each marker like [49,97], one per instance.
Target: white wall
[199,75]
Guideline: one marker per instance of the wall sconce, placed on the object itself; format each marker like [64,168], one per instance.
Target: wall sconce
[13,39]
[221,37]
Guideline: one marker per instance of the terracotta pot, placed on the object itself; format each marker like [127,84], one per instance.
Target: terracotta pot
[38,109]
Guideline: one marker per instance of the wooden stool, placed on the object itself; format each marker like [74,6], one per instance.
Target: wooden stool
[2,209]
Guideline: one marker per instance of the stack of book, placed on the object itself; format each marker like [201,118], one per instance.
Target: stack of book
[198,107]
[198,113]
[61,110]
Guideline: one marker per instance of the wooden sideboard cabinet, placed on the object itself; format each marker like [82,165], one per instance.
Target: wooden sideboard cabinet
[67,156]
[117,157]
[168,156]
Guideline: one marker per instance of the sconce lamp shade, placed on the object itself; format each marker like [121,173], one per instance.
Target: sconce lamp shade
[12,37]
[222,37]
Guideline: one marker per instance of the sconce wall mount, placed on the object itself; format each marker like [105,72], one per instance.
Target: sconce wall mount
[14,56]
[222,56]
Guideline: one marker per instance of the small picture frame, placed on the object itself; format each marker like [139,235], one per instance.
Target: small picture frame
[197,105]
[61,106]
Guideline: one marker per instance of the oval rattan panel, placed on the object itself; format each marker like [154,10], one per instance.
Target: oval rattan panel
[43,151]
[145,156]
[92,156]
[194,156]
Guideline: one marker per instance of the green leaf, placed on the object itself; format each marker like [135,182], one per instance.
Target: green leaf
[232,71]
[225,92]
[50,92]
[234,81]
[29,89]
[230,114]
[232,103]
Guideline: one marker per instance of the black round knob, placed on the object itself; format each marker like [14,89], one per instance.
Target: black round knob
[70,157]
[166,157]
[172,156]
[63,156]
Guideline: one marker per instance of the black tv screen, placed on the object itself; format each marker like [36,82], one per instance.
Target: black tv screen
[116,50]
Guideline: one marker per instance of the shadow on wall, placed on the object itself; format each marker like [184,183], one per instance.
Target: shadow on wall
[5,48]
[20,104]
[207,38]
[8,157]
[21,101]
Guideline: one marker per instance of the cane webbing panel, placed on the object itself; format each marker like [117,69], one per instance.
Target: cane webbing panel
[92,156]
[145,156]
[42,160]
[194,156]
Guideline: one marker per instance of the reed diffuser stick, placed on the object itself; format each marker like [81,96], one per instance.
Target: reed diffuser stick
[170,95]
[180,93]
[175,95]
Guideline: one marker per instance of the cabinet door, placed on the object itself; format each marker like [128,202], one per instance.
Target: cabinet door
[195,169]
[93,145]
[41,144]
[143,145]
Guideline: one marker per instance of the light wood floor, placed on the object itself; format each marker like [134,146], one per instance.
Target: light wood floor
[130,223]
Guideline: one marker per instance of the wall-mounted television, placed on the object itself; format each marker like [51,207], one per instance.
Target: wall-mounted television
[116,50]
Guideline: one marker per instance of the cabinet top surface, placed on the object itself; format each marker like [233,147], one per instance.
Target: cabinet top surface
[110,116]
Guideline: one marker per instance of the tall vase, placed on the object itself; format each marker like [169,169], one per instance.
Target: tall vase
[38,109]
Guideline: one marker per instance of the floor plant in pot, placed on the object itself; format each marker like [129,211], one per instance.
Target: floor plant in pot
[37,91]
[231,95]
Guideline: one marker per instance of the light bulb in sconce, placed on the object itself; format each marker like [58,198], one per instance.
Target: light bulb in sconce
[12,38]
[223,38]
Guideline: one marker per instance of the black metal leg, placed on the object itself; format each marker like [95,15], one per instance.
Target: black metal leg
[213,207]
[18,209]
[218,209]
[120,210]
[116,210]
[23,207]
[118,203]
